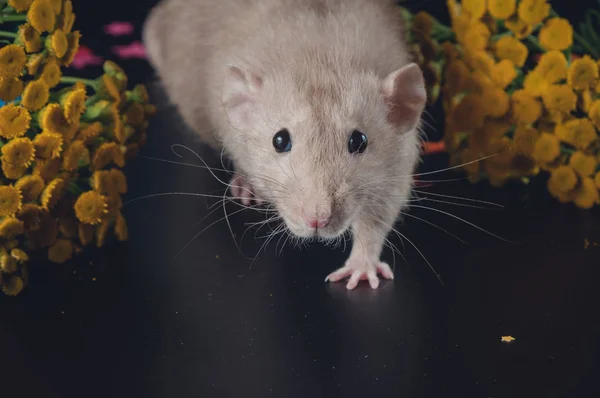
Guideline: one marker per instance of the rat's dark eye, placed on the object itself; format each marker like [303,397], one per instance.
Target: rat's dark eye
[358,142]
[282,141]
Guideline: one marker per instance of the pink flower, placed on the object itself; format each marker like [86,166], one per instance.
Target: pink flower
[132,50]
[85,57]
[118,28]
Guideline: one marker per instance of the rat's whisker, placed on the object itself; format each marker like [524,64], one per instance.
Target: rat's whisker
[459,198]
[452,167]
[182,163]
[464,221]
[457,204]
[434,225]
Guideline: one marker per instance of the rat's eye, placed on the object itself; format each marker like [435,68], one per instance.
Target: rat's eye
[282,141]
[358,142]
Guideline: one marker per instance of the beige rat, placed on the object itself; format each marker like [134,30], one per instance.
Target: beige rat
[316,102]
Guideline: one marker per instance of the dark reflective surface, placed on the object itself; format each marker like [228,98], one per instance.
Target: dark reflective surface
[137,321]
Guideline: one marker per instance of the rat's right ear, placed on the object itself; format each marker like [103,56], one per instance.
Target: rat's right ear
[404,91]
[240,91]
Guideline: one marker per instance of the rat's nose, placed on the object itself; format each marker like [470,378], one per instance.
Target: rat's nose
[316,220]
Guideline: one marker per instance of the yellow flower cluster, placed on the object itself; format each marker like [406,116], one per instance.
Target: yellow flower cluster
[63,142]
[518,102]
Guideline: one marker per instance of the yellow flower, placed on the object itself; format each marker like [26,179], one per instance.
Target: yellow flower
[134,115]
[535,84]
[495,102]
[502,9]
[119,180]
[34,63]
[480,61]
[51,74]
[19,152]
[519,28]
[107,153]
[552,66]
[89,132]
[594,113]
[546,148]
[584,165]
[19,255]
[56,6]
[11,200]
[13,285]
[68,18]
[504,73]
[85,233]
[560,97]
[52,119]
[12,171]
[525,139]
[57,43]
[52,193]
[525,108]
[577,132]
[7,263]
[30,215]
[74,104]
[41,15]
[36,95]
[90,207]
[106,88]
[31,187]
[533,12]
[121,230]
[477,36]
[68,227]
[47,169]
[10,88]
[582,73]
[422,23]
[563,178]
[48,145]
[512,49]
[76,155]
[586,99]
[61,251]
[11,227]
[103,183]
[20,5]
[14,121]
[12,60]
[30,38]
[102,233]
[556,34]
[475,8]
[469,113]
[597,180]
[73,40]
[586,196]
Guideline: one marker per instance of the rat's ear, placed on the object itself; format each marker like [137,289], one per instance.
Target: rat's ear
[240,91]
[404,91]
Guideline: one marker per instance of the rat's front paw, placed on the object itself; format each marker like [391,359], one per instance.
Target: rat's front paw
[361,269]
[242,190]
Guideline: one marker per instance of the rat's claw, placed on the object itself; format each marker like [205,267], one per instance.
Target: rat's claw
[242,190]
[359,270]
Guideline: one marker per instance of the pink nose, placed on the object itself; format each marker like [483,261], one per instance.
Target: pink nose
[316,222]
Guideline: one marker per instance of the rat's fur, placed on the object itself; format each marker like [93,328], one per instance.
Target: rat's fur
[241,70]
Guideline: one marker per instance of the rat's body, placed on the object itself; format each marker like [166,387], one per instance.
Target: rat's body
[315,101]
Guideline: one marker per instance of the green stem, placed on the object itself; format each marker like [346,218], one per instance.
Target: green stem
[535,42]
[12,18]
[73,80]
[8,34]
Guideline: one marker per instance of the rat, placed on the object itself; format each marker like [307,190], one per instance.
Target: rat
[317,103]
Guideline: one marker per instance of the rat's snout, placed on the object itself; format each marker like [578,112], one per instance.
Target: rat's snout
[315,217]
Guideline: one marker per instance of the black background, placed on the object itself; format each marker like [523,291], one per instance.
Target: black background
[132,321]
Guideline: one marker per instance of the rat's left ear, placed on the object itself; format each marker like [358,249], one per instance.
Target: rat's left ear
[404,91]
[240,91]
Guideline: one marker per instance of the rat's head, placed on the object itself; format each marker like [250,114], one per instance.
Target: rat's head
[325,147]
